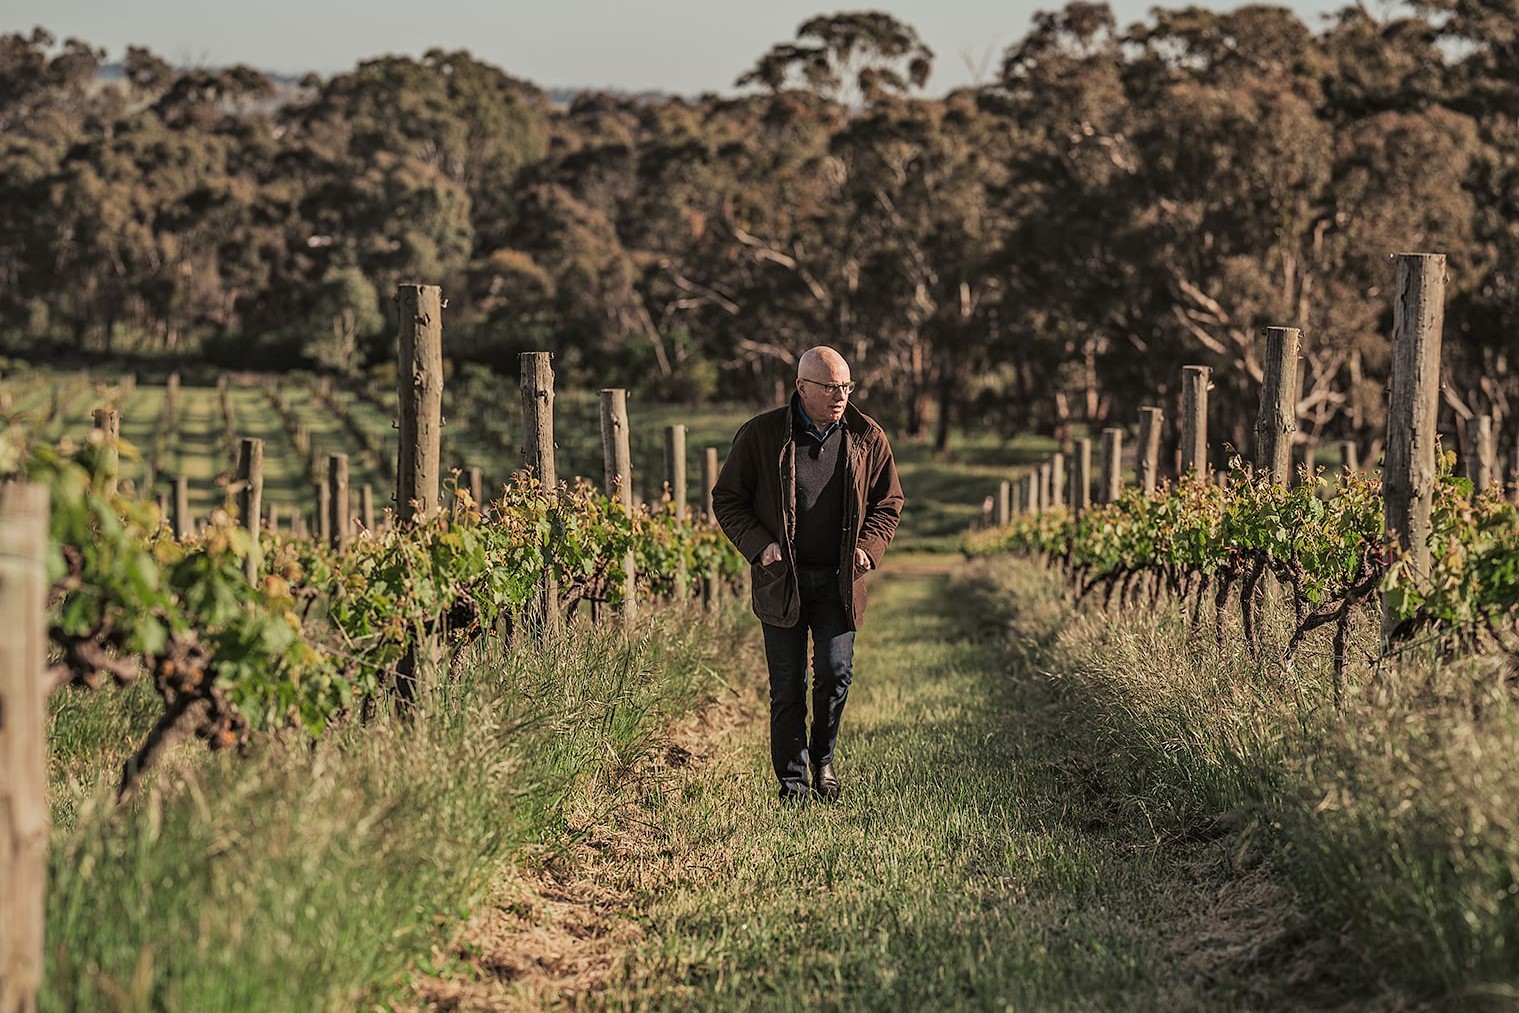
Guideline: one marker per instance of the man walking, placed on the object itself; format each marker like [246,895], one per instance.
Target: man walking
[809,494]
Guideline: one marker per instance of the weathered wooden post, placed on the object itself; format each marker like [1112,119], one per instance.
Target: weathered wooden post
[1276,420]
[1194,421]
[1081,475]
[323,512]
[675,467]
[537,389]
[1409,475]
[617,465]
[339,520]
[1004,515]
[1147,452]
[1057,479]
[1042,478]
[183,525]
[709,468]
[419,380]
[1480,462]
[250,499]
[108,424]
[1112,464]
[24,816]
[274,518]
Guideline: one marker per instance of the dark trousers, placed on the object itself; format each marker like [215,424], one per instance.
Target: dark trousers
[832,667]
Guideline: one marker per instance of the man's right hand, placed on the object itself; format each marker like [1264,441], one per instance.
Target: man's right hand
[772,554]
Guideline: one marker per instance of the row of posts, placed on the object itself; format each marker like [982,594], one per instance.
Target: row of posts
[24,816]
[1409,471]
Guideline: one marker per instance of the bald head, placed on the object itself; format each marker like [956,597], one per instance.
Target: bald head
[822,363]
[822,382]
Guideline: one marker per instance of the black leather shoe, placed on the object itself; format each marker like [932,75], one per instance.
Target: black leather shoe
[825,783]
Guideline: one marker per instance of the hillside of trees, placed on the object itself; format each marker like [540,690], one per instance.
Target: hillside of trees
[1046,249]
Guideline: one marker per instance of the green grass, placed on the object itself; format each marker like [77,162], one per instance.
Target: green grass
[1390,819]
[316,876]
[963,868]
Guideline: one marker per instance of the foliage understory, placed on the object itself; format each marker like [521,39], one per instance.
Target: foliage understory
[311,875]
[1391,816]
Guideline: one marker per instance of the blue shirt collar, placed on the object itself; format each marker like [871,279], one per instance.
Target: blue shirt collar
[811,426]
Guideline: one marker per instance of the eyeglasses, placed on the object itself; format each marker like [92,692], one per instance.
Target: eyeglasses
[831,388]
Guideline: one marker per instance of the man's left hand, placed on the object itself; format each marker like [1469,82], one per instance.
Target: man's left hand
[862,560]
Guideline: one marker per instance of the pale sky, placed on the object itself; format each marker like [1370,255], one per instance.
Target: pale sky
[679,46]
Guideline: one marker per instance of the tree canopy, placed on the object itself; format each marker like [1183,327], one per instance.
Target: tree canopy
[1044,249]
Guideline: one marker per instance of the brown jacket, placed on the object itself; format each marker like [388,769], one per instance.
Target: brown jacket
[755,502]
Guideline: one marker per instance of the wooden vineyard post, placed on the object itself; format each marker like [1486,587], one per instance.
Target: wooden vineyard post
[1409,475]
[1147,453]
[1042,477]
[1057,480]
[24,815]
[419,379]
[675,467]
[339,520]
[274,519]
[1194,422]
[1004,503]
[675,488]
[182,522]
[1276,420]
[617,468]
[250,499]
[323,517]
[108,424]
[1112,456]
[1081,475]
[537,388]
[419,391]
[712,584]
[1480,466]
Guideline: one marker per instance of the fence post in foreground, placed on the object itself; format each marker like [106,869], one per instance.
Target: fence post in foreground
[24,815]
[1194,421]
[1057,479]
[419,387]
[1004,514]
[537,387]
[1409,475]
[617,467]
[1277,419]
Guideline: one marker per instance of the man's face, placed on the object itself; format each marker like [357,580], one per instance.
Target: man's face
[821,405]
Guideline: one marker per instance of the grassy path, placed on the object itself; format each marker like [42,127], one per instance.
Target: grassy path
[965,867]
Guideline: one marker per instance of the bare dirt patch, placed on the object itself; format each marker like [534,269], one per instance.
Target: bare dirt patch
[557,924]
